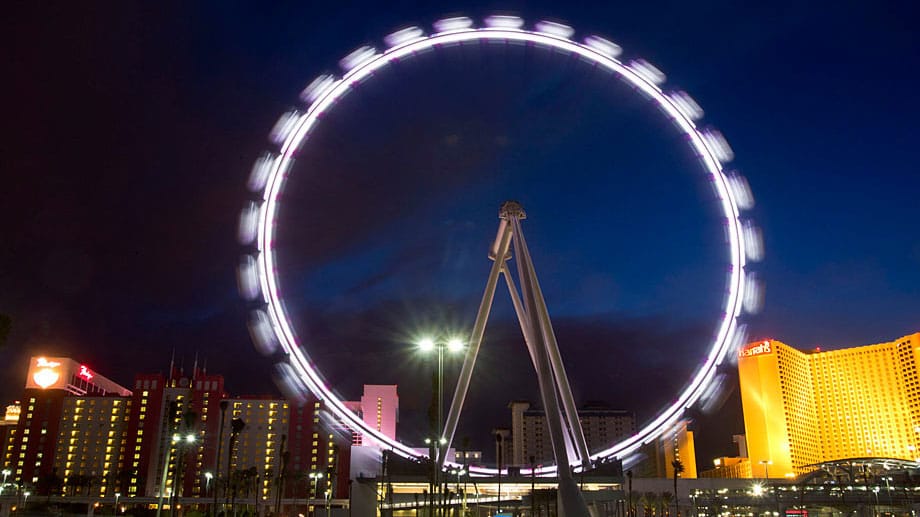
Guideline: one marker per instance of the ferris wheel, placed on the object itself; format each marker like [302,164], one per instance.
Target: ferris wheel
[270,324]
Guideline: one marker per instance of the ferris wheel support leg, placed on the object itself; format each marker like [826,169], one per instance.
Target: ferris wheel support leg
[539,313]
[571,501]
[577,434]
[548,389]
[523,319]
[498,254]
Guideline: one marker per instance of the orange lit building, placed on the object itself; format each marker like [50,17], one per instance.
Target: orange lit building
[802,408]
[678,445]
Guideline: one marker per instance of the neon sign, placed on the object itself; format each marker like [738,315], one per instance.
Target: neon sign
[761,348]
[41,361]
[47,373]
[85,373]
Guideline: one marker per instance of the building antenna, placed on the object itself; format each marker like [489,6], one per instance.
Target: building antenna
[172,364]
[195,366]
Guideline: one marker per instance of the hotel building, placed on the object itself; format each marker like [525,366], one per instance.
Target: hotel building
[79,432]
[71,423]
[602,426]
[802,408]
[165,407]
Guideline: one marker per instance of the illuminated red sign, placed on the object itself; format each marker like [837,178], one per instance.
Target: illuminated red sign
[85,373]
[763,347]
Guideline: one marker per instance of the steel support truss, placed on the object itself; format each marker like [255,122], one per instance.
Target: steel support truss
[566,434]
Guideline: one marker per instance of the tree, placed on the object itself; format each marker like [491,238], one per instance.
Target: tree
[678,470]
[665,501]
[648,500]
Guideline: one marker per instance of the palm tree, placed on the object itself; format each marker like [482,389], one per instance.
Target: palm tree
[647,500]
[678,470]
[665,501]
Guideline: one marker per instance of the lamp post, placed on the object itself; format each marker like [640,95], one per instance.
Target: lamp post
[220,446]
[181,441]
[6,473]
[766,468]
[426,345]
[629,504]
[115,508]
[533,486]
[875,490]
[315,476]
[169,446]
[458,472]
[499,450]
[26,494]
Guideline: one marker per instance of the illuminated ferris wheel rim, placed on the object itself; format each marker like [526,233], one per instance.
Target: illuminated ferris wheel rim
[258,223]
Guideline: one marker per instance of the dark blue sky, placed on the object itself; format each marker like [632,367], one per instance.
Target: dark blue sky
[130,130]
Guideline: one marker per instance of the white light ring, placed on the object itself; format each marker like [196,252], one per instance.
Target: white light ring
[269,278]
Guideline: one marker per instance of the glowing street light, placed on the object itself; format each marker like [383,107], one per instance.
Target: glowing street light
[315,476]
[459,472]
[425,345]
[190,438]
[453,345]
[115,508]
[6,473]
[208,476]
[766,468]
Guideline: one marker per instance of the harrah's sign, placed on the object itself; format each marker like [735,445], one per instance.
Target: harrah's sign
[760,348]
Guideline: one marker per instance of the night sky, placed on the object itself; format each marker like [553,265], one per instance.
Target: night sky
[130,130]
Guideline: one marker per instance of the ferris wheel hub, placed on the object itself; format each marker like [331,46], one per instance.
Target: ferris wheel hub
[511,210]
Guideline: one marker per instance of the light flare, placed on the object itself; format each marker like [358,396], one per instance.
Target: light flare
[283,127]
[604,46]
[403,36]
[317,88]
[456,23]
[501,21]
[554,29]
[648,71]
[356,58]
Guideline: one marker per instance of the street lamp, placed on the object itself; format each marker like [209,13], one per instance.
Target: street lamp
[6,473]
[26,494]
[459,472]
[176,438]
[315,476]
[115,508]
[208,476]
[766,468]
[426,345]
[453,346]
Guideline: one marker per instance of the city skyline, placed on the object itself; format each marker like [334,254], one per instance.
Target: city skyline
[129,250]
